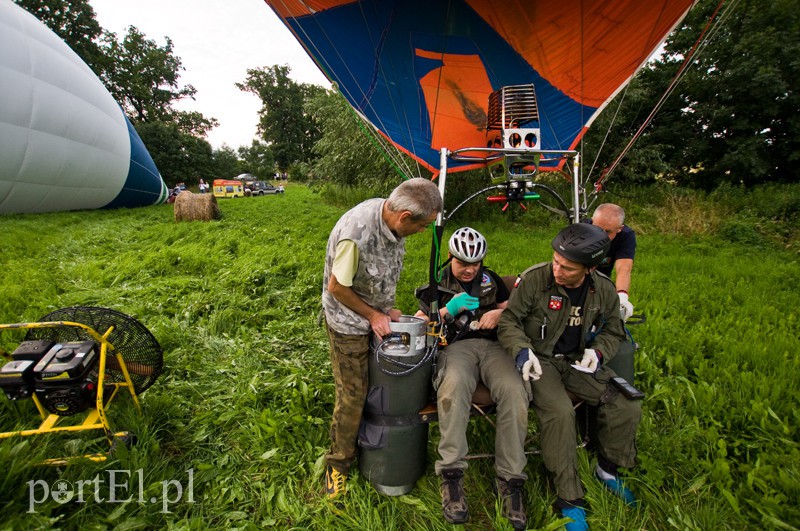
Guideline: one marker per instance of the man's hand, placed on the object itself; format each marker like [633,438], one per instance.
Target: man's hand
[462,301]
[489,320]
[590,359]
[625,306]
[528,365]
[380,324]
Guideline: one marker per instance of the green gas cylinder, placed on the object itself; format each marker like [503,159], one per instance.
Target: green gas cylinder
[392,440]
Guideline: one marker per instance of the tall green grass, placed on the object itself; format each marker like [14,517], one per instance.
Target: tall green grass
[246,396]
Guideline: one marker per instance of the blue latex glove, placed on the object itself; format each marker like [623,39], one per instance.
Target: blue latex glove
[461,302]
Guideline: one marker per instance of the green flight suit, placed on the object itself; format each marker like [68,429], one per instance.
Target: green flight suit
[535,318]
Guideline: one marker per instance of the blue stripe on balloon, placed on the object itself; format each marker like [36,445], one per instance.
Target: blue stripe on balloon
[144,185]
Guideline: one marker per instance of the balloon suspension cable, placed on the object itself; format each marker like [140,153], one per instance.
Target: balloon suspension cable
[395,157]
[670,89]
[372,136]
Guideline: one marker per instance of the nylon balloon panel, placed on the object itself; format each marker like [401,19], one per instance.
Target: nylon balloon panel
[65,144]
[142,182]
[425,90]
[422,71]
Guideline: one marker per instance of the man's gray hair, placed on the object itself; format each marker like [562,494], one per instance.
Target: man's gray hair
[419,196]
[610,209]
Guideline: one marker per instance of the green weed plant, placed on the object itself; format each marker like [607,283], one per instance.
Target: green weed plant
[245,400]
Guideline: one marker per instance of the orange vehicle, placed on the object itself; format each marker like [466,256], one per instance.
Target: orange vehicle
[228,188]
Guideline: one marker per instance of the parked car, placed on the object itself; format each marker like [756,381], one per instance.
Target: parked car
[262,188]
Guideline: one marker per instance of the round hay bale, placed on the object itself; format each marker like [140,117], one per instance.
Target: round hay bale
[196,207]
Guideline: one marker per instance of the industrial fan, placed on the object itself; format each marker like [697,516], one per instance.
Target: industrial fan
[76,360]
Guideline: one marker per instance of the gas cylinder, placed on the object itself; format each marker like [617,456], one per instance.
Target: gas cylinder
[392,440]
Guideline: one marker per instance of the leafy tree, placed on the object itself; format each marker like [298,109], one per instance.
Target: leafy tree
[612,131]
[283,121]
[732,117]
[179,156]
[226,164]
[346,154]
[194,123]
[741,98]
[257,159]
[74,21]
[143,76]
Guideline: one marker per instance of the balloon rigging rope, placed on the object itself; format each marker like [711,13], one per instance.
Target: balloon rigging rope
[394,152]
[643,55]
[699,44]
[397,160]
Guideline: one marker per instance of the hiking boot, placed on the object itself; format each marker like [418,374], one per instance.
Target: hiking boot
[335,482]
[615,485]
[510,493]
[578,516]
[454,504]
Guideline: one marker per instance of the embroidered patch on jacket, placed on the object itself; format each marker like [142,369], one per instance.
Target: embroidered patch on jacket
[556,301]
[485,280]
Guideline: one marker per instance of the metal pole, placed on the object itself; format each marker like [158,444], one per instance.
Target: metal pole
[442,181]
[576,206]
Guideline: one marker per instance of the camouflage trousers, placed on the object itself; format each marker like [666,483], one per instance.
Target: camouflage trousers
[349,361]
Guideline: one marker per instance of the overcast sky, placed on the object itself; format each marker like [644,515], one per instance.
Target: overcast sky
[217,41]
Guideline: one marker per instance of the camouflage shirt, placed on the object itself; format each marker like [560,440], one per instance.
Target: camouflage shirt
[380,260]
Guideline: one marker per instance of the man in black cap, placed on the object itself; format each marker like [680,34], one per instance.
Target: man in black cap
[561,324]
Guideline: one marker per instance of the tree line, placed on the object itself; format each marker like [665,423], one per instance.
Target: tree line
[732,118]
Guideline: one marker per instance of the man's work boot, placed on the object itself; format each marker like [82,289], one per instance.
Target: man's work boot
[454,504]
[510,493]
[335,482]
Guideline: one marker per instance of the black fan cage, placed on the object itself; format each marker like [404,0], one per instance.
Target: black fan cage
[140,350]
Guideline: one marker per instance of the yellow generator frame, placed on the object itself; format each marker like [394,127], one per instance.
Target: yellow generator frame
[95,418]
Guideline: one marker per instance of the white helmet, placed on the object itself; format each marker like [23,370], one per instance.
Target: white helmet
[468,245]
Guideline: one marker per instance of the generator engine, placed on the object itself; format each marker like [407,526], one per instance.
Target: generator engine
[66,377]
[62,375]
[16,377]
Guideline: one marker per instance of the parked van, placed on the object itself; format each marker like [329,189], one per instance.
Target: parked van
[228,188]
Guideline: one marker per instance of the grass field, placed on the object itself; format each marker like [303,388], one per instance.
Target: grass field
[239,418]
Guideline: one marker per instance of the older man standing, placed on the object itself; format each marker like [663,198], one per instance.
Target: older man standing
[362,266]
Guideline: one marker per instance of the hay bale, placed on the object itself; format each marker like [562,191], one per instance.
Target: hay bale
[196,207]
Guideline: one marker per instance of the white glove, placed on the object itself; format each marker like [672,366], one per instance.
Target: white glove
[528,365]
[625,306]
[589,360]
